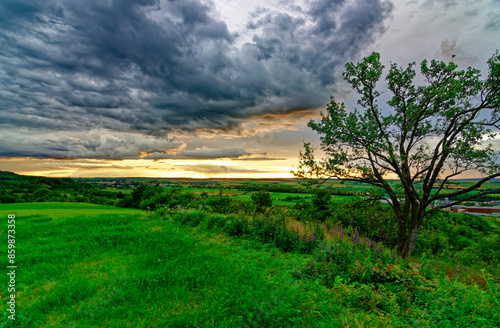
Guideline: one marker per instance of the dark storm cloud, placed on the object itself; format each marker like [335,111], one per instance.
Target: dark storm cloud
[99,144]
[153,66]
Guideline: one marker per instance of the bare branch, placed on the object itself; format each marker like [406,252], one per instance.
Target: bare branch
[466,190]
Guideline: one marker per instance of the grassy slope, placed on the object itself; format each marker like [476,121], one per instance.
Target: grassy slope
[83,265]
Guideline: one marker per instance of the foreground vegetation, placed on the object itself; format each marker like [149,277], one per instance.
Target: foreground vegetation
[84,265]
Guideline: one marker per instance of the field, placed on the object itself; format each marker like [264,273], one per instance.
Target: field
[284,192]
[82,265]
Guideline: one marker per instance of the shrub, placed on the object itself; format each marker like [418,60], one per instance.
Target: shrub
[193,218]
[321,204]
[214,222]
[261,200]
[237,227]
[220,203]
[372,219]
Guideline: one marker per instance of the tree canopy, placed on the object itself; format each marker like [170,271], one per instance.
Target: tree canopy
[424,136]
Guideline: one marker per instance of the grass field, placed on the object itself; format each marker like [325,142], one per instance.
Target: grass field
[83,265]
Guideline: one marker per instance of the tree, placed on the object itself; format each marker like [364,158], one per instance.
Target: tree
[426,135]
[261,200]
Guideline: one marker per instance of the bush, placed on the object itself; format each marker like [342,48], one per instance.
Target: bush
[193,218]
[261,200]
[220,203]
[321,204]
[214,222]
[372,219]
[236,227]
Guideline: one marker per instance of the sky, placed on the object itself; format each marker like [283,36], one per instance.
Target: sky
[201,88]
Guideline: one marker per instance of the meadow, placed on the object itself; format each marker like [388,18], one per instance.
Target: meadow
[85,265]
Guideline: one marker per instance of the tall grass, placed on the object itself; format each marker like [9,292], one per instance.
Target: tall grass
[366,276]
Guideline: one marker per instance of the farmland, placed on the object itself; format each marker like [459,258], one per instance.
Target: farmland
[283,191]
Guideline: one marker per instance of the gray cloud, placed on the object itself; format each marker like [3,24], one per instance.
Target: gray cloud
[214,169]
[202,153]
[100,144]
[151,66]
[206,153]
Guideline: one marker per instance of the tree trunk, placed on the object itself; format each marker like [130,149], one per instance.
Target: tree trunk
[408,233]
[401,241]
[411,240]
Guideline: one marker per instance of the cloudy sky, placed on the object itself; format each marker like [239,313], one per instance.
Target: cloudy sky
[201,88]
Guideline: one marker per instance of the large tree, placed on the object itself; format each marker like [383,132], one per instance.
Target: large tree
[425,135]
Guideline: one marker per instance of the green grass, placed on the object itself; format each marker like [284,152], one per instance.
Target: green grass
[83,265]
[61,210]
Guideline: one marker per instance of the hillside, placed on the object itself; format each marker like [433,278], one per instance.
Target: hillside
[82,265]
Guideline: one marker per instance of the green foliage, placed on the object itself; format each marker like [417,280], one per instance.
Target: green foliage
[17,189]
[41,195]
[216,222]
[372,219]
[261,200]
[303,211]
[263,229]
[220,203]
[236,226]
[321,204]
[469,237]
[485,250]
